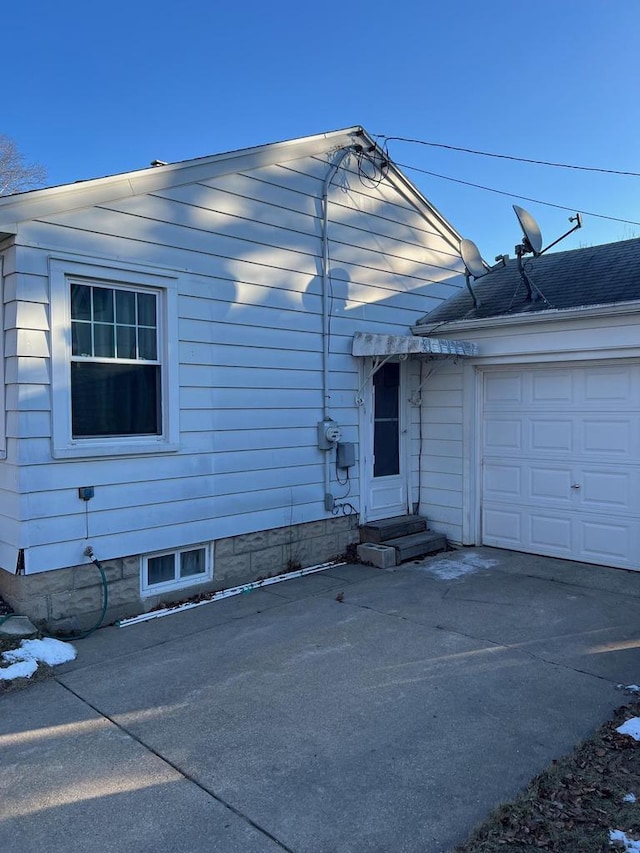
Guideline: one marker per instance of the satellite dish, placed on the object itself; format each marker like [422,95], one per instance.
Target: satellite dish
[472,258]
[532,235]
[473,266]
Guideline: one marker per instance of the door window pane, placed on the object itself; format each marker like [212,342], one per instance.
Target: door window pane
[386,449]
[386,420]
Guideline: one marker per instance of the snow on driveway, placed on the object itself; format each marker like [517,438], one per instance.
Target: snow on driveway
[23,661]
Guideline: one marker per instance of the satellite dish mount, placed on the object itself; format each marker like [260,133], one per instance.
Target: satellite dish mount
[532,244]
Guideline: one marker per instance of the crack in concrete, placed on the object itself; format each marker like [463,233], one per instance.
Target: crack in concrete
[494,643]
[187,776]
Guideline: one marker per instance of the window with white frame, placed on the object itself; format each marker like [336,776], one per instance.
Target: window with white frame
[115,386]
[175,569]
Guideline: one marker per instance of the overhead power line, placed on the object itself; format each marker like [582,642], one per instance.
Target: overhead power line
[508,156]
[517,195]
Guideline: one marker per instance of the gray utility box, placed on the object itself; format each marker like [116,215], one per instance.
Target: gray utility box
[345,454]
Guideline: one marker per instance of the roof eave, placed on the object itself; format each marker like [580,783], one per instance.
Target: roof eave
[551,315]
[30,205]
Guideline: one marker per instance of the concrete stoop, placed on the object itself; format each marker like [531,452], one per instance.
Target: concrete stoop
[391,541]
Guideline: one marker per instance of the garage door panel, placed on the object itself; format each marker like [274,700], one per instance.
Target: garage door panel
[552,386]
[548,434]
[503,435]
[548,531]
[606,490]
[561,462]
[548,483]
[607,436]
[503,481]
[506,388]
[603,541]
[502,527]
[608,384]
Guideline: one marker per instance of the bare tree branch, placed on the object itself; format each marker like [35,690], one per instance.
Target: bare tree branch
[16,174]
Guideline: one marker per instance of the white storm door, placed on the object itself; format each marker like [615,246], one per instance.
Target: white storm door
[561,462]
[385,474]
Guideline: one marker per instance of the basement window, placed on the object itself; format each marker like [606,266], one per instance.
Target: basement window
[175,569]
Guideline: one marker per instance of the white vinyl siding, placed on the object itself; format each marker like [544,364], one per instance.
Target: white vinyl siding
[245,251]
[441,464]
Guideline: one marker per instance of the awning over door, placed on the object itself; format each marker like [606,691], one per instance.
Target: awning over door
[370,344]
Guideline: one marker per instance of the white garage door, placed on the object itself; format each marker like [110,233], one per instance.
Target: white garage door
[561,462]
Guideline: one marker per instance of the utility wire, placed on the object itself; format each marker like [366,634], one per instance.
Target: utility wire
[516,195]
[509,156]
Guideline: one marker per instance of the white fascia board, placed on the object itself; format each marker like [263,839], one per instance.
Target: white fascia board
[551,316]
[426,208]
[37,203]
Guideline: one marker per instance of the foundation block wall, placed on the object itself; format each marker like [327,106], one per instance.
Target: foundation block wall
[71,599]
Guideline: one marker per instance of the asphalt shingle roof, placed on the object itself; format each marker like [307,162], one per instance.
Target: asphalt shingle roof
[597,275]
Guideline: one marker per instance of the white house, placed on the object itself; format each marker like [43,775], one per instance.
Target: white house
[180,396]
[534,445]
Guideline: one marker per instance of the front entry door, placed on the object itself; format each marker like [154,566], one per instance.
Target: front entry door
[385,474]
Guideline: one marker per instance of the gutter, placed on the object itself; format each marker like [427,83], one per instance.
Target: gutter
[548,316]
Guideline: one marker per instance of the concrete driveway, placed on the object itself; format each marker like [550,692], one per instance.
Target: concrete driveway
[286,720]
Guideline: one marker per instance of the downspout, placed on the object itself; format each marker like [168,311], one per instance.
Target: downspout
[328,497]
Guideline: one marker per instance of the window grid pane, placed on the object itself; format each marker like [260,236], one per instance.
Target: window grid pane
[102,304]
[80,302]
[161,569]
[192,563]
[121,324]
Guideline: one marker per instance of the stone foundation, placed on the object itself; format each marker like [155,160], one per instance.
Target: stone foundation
[67,600]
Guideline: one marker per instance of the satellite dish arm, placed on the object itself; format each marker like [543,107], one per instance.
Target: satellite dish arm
[578,220]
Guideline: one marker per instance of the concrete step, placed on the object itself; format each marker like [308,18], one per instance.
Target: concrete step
[392,528]
[417,545]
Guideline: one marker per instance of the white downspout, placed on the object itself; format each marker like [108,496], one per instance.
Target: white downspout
[328,497]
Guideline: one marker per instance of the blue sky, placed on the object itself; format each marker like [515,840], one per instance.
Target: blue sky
[95,89]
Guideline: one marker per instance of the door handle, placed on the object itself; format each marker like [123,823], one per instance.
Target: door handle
[575,486]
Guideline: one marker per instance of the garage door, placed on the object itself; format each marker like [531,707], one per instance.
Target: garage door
[561,462]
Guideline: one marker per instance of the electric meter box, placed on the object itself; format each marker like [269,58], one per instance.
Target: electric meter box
[328,434]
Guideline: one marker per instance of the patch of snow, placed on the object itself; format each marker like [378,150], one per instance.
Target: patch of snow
[456,566]
[618,837]
[631,727]
[629,688]
[22,669]
[24,660]
[48,651]
[629,798]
